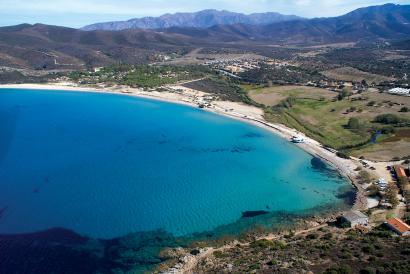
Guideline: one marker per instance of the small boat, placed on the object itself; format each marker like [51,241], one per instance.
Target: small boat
[298,139]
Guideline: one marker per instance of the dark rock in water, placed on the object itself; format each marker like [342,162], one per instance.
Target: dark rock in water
[252,135]
[56,235]
[250,214]
[318,163]
[348,197]
[241,149]
[320,166]
[63,251]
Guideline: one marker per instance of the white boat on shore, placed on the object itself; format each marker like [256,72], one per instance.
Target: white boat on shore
[298,139]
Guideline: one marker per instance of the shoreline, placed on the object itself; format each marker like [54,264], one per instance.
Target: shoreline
[233,110]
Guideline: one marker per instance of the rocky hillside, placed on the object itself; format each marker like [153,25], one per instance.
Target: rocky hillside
[201,19]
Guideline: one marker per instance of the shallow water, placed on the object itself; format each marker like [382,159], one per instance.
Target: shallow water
[105,165]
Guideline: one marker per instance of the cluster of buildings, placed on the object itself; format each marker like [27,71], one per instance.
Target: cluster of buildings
[279,63]
[234,66]
[356,219]
[338,86]
[401,175]
[238,65]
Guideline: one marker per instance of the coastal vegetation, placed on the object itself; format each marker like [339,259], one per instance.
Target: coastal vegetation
[223,87]
[325,250]
[352,122]
[154,77]
[17,77]
[141,76]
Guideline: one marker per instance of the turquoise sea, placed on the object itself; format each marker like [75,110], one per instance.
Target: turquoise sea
[102,166]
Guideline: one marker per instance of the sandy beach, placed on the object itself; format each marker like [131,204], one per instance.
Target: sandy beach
[246,113]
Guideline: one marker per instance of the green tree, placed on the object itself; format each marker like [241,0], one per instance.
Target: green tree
[353,123]
[402,181]
[391,195]
[364,177]
[388,119]
[343,94]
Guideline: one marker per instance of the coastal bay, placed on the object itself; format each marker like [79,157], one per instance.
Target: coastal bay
[129,164]
[148,154]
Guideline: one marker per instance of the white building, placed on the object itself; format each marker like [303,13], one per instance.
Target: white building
[400,91]
[355,218]
[298,139]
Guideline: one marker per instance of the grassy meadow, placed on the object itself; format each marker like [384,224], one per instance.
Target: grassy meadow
[342,123]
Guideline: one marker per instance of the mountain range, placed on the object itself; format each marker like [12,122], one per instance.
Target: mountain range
[201,19]
[50,47]
[377,22]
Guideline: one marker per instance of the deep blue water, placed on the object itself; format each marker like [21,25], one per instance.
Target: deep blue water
[106,165]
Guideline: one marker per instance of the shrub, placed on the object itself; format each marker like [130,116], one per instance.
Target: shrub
[345,269]
[279,245]
[288,102]
[368,248]
[311,236]
[328,236]
[364,177]
[372,190]
[402,181]
[342,155]
[273,262]
[343,94]
[389,119]
[263,243]
[219,254]
[368,270]
[391,195]
[404,109]
[388,130]
[255,266]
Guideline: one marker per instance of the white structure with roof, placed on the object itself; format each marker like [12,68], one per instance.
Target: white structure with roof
[400,91]
[298,139]
[355,218]
[381,183]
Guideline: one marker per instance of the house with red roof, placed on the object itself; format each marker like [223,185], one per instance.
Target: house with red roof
[400,172]
[398,226]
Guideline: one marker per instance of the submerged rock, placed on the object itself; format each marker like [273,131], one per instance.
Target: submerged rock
[250,214]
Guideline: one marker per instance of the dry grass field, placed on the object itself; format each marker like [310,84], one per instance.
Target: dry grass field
[352,74]
[271,96]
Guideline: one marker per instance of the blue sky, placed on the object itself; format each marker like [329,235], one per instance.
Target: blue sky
[77,13]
